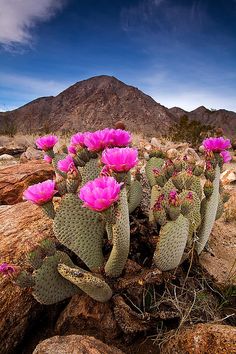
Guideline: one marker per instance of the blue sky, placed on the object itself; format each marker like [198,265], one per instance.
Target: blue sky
[181,52]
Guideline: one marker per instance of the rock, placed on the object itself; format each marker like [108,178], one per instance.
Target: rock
[6,157]
[228,176]
[83,313]
[31,154]
[202,339]
[155,142]
[22,226]
[74,344]
[15,179]
[12,149]
[220,261]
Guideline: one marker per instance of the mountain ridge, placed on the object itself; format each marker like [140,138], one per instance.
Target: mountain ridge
[103,100]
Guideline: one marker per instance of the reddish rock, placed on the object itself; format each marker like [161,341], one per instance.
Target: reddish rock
[203,339]
[22,226]
[83,314]
[15,179]
[74,344]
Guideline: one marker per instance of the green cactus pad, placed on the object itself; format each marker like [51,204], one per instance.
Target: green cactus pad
[210,214]
[194,214]
[220,208]
[92,285]
[196,186]
[160,216]
[25,280]
[35,258]
[80,229]
[48,247]
[90,171]
[50,287]
[154,162]
[168,187]
[154,195]
[48,209]
[135,195]
[171,244]
[121,238]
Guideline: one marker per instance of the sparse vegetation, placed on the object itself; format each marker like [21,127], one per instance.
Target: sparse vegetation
[7,127]
[191,131]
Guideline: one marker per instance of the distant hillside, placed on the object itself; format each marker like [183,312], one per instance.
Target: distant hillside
[93,104]
[100,102]
[216,118]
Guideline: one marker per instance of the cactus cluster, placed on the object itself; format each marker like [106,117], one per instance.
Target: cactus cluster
[84,216]
[97,195]
[184,210]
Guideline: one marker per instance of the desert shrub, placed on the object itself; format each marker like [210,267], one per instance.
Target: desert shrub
[191,131]
[7,126]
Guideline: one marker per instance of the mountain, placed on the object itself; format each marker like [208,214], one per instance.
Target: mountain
[216,118]
[95,103]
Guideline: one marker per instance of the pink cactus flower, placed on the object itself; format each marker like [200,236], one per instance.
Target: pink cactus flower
[100,193]
[72,149]
[225,156]
[66,165]
[120,138]
[46,142]
[216,144]
[47,158]
[6,269]
[98,140]
[78,139]
[120,159]
[40,193]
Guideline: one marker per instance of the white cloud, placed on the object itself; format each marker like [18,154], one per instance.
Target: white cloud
[32,85]
[18,17]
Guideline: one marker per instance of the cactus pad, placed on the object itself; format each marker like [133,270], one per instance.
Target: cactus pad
[135,195]
[154,162]
[50,287]
[171,244]
[121,238]
[81,230]
[211,206]
[92,285]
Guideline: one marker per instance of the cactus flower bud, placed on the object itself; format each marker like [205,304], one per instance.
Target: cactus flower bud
[47,158]
[208,188]
[6,269]
[225,156]
[66,165]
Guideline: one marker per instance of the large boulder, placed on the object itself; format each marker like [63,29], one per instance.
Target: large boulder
[22,226]
[15,179]
[82,313]
[74,344]
[202,339]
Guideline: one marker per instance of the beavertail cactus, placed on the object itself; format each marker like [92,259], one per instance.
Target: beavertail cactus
[94,200]
[98,192]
